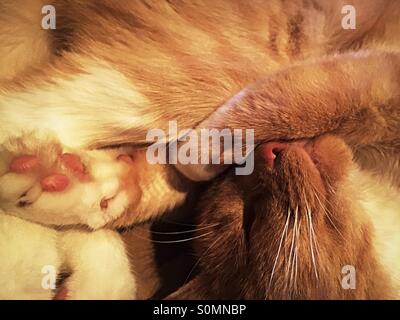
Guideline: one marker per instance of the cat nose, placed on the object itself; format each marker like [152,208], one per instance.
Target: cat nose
[271,150]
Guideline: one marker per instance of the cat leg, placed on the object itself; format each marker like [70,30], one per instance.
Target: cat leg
[42,181]
[99,266]
[353,95]
[91,107]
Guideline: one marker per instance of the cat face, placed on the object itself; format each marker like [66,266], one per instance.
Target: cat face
[302,174]
[289,229]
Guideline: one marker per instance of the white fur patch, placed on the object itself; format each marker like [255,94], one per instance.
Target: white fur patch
[76,108]
[100,264]
[382,204]
[25,249]
[97,260]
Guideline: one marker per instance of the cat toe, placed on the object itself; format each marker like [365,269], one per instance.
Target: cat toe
[14,187]
[24,164]
[30,196]
[55,183]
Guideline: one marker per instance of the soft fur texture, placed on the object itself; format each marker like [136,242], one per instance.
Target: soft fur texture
[288,231]
[95,259]
[112,71]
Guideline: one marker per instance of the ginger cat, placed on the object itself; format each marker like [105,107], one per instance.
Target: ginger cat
[112,71]
[308,223]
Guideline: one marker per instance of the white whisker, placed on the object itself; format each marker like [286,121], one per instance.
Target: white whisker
[173,241]
[205,252]
[288,266]
[312,237]
[327,213]
[186,231]
[312,242]
[296,254]
[279,248]
[294,245]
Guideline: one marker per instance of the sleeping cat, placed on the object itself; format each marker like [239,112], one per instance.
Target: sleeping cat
[324,196]
[90,90]
[309,223]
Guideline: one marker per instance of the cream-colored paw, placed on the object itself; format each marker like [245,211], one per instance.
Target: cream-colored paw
[99,265]
[44,182]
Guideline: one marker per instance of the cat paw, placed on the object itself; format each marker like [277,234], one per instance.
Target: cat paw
[86,287]
[99,267]
[44,182]
[89,288]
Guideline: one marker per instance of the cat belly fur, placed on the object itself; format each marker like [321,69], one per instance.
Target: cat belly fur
[381,203]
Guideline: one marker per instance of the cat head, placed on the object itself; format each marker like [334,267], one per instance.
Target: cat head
[288,229]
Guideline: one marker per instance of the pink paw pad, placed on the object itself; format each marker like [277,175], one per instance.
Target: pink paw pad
[55,183]
[24,164]
[73,163]
[104,203]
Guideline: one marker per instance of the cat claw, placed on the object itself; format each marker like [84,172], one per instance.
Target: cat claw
[30,196]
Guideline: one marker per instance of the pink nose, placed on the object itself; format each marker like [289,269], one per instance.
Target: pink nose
[271,149]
